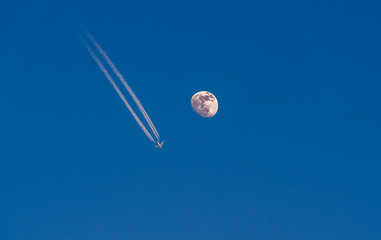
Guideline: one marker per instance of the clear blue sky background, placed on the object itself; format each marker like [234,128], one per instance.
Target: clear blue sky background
[293,152]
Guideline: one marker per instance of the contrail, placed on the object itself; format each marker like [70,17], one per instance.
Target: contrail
[121,78]
[101,66]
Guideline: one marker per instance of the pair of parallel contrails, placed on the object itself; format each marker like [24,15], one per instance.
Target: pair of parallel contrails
[117,89]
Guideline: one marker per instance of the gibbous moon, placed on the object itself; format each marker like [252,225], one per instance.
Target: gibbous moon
[205,104]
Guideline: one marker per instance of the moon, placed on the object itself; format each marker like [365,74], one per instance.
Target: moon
[204,104]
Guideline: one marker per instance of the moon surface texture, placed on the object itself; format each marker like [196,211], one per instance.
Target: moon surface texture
[205,104]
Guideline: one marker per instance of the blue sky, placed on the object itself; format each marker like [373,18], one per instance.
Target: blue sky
[293,152]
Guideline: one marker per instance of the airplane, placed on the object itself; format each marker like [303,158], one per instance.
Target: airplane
[159,145]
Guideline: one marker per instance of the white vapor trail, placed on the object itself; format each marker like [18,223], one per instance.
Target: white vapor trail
[121,78]
[101,66]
